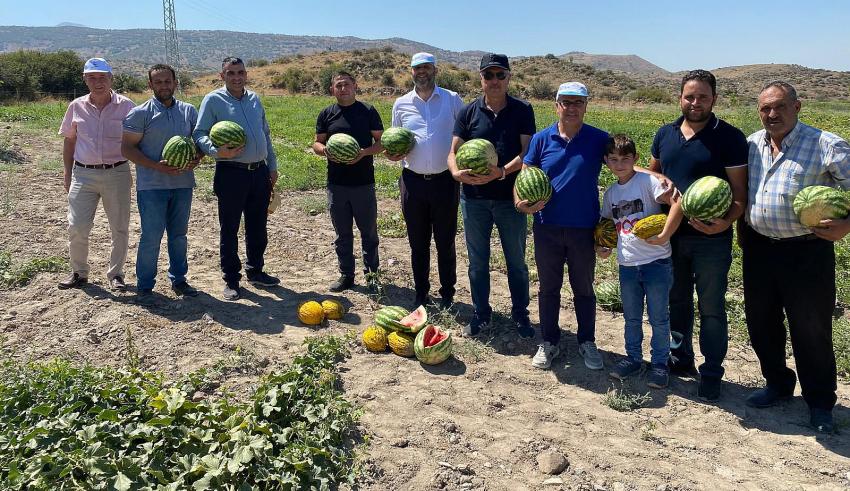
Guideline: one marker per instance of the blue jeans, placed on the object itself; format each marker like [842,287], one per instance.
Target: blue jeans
[653,282]
[163,210]
[701,262]
[479,216]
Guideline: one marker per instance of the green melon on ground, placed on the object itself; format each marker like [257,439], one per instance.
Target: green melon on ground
[433,345]
[533,184]
[388,319]
[707,198]
[398,141]
[342,148]
[815,203]
[227,133]
[178,151]
[477,155]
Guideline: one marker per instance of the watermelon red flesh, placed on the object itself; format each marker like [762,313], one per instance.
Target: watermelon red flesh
[416,320]
[434,336]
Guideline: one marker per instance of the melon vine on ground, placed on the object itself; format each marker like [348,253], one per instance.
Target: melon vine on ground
[67,427]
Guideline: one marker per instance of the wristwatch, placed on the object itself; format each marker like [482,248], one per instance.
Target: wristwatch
[503,174]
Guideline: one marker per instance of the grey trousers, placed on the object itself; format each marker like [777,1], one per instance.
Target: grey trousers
[349,205]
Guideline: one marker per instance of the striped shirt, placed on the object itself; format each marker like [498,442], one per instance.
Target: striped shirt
[808,157]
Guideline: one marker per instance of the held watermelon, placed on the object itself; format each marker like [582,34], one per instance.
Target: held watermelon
[815,203]
[477,155]
[605,233]
[342,148]
[227,133]
[707,198]
[649,226]
[388,318]
[433,345]
[533,184]
[178,151]
[398,141]
[416,320]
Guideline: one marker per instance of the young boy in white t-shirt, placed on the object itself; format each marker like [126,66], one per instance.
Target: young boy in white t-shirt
[646,270]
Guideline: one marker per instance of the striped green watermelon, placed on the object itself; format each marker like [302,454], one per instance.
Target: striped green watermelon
[433,345]
[605,233]
[476,155]
[178,151]
[707,198]
[342,148]
[398,141]
[227,133]
[815,203]
[388,318]
[533,184]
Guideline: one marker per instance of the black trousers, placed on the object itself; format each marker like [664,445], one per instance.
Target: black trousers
[242,192]
[429,205]
[350,205]
[793,280]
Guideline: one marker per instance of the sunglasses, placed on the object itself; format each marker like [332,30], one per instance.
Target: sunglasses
[498,75]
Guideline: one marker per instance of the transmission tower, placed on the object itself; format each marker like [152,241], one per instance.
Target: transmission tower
[172,55]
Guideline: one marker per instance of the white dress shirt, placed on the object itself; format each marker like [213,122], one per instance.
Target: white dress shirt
[432,122]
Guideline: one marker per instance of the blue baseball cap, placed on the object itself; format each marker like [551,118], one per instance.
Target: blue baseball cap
[97,65]
[420,58]
[572,88]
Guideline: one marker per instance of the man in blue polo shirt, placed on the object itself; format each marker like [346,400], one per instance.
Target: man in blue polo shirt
[163,193]
[244,176]
[570,152]
[696,145]
[488,199]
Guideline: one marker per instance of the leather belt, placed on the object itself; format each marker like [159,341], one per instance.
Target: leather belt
[782,240]
[426,177]
[242,165]
[99,166]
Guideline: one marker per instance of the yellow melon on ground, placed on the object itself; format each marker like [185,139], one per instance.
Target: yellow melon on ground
[401,343]
[333,309]
[311,313]
[375,339]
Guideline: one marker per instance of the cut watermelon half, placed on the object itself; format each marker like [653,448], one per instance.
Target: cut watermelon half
[416,320]
[434,336]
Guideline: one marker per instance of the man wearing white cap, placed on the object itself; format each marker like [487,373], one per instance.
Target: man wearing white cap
[95,169]
[571,153]
[429,194]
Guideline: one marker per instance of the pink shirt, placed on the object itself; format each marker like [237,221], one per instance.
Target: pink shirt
[98,132]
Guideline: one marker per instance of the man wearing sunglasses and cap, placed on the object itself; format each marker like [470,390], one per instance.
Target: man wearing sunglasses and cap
[487,200]
[429,194]
[95,169]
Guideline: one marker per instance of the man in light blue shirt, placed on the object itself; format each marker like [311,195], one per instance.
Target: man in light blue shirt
[163,193]
[244,176]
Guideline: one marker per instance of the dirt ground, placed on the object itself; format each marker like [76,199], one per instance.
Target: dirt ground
[479,421]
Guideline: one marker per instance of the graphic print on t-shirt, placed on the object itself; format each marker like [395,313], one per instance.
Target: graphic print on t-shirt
[625,209]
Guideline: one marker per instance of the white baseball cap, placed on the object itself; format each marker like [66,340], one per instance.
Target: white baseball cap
[572,88]
[420,58]
[97,65]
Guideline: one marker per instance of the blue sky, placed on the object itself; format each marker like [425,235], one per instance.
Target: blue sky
[675,35]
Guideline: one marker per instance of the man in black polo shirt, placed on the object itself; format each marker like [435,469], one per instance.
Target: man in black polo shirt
[351,187]
[697,145]
[487,200]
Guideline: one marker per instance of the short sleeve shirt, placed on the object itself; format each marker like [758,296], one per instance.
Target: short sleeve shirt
[503,130]
[709,152]
[626,204]
[98,133]
[358,120]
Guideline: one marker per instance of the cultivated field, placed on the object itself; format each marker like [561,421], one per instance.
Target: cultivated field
[484,420]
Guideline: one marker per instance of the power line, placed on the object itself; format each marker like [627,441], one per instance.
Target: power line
[172,54]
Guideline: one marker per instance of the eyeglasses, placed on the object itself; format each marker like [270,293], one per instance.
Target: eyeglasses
[490,75]
[565,103]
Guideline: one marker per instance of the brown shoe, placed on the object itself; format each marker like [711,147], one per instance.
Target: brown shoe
[74,280]
[118,284]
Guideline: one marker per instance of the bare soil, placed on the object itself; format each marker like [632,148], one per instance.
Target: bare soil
[478,421]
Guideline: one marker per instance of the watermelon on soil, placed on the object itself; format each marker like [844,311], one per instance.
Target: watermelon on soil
[815,203]
[398,141]
[342,148]
[477,155]
[707,198]
[433,345]
[533,184]
[416,320]
[227,133]
[178,151]
[388,318]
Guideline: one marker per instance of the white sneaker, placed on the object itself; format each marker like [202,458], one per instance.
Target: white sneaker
[546,352]
[592,358]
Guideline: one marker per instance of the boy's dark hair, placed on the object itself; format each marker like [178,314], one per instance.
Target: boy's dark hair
[342,73]
[702,76]
[159,67]
[621,145]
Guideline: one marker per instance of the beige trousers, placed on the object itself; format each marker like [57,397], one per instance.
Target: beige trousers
[88,186]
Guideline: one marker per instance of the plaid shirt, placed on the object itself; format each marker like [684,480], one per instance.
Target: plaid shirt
[808,157]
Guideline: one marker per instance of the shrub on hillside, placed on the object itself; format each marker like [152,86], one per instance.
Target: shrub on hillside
[541,89]
[650,94]
[28,75]
[258,62]
[125,82]
[451,81]
[293,80]
[387,79]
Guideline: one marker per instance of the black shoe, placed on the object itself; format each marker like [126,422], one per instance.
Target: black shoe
[422,300]
[476,324]
[263,279]
[117,284]
[343,283]
[821,420]
[682,368]
[74,280]
[768,396]
[231,291]
[523,327]
[446,303]
[145,296]
[185,289]
[709,388]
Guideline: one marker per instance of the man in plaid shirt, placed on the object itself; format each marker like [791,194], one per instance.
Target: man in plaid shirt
[789,270]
